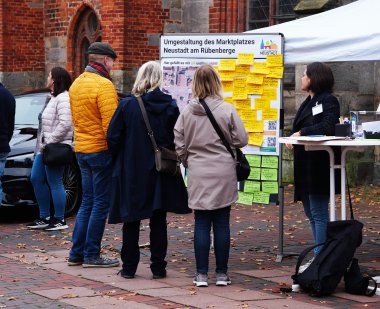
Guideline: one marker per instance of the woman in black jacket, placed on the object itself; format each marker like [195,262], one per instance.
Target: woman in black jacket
[139,191]
[318,114]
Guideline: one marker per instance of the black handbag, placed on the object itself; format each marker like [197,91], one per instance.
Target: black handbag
[242,166]
[55,154]
[166,160]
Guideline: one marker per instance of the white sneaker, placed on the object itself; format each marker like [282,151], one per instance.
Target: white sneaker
[222,279]
[305,266]
[200,280]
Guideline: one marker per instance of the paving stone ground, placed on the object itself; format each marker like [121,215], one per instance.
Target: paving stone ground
[34,273]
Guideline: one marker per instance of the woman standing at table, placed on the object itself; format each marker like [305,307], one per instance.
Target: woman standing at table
[318,114]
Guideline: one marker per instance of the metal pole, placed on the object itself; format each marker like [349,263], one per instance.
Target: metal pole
[272,12]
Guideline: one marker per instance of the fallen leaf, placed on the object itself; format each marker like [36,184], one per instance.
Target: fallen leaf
[70,296]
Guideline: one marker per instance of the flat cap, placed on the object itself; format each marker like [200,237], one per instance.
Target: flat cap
[101,48]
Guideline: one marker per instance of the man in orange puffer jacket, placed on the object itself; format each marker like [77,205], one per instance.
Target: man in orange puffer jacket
[93,100]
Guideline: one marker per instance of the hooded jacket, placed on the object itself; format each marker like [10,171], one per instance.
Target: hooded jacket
[212,182]
[137,188]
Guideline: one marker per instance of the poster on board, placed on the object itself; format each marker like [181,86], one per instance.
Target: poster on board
[251,70]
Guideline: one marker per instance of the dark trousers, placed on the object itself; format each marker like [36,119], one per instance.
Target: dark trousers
[130,252]
[219,219]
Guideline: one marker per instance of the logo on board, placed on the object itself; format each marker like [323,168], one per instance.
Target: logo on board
[268,47]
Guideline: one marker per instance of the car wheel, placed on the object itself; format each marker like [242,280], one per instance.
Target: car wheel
[73,188]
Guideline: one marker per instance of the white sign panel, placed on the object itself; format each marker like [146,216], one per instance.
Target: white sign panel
[219,46]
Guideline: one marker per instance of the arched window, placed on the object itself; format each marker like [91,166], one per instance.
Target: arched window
[86,31]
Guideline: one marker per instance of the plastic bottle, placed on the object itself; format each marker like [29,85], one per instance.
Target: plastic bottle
[354,119]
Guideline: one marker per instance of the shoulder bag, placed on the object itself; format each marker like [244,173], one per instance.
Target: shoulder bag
[242,166]
[55,154]
[167,160]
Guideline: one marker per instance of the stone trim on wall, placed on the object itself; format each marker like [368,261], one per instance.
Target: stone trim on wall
[19,82]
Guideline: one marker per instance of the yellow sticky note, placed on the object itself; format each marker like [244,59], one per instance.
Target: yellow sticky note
[275,61]
[260,68]
[255,79]
[255,89]
[251,186]
[262,103]
[255,139]
[270,93]
[270,187]
[243,104]
[229,100]
[253,160]
[248,115]
[261,198]
[228,86]
[255,173]
[242,70]
[227,76]
[276,72]
[269,174]
[245,198]
[270,114]
[270,82]
[249,125]
[245,59]
[216,68]
[269,161]
[240,93]
[255,126]
[227,65]
[240,82]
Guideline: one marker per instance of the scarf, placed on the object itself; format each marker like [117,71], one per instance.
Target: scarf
[96,67]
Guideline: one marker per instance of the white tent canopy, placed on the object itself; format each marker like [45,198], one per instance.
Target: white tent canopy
[348,33]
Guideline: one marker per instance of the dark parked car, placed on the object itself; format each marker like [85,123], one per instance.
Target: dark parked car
[17,187]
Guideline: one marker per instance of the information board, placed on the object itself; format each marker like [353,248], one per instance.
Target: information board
[251,69]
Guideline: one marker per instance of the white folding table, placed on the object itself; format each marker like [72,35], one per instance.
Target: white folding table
[322,143]
[326,143]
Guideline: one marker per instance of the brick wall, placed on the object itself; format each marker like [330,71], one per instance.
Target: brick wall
[144,19]
[227,16]
[21,30]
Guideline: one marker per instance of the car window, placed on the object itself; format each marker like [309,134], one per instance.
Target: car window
[28,107]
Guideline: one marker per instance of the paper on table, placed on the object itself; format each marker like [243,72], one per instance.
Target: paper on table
[315,138]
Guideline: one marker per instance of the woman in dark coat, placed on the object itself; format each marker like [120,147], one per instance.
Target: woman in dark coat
[318,114]
[138,190]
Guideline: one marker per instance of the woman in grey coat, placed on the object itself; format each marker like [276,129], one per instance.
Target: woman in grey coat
[212,183]
[55,127]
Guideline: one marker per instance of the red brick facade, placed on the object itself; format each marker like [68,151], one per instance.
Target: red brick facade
[21,36]
[227,16]
[36,35]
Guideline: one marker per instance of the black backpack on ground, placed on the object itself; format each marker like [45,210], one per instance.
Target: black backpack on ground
[328,267]
[357,283]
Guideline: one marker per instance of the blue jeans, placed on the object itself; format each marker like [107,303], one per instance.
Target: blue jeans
[317,210]
[96,170]
[220,221]
[3,160]
[46,180]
